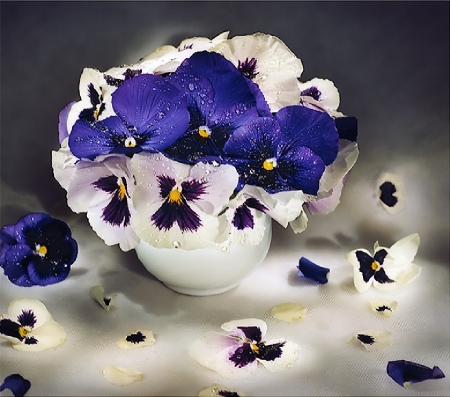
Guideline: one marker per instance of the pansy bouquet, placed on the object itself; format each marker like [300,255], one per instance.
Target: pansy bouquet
[196,145]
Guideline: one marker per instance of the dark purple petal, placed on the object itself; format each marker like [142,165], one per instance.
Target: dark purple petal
[365,265]
[30,340]
[243,218]
[252,333]
[380,255]
[311,271]
[193,189]
[301,126]
[243,355]
[17,384]
[402,371]
[269,352]
[256,204]
[387,190]
[62,125]
[166,184]
[15,266]
[382,277]
[27,318]
[347,128]
[170,213]
[10,328]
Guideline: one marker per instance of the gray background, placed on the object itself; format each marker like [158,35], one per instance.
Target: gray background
[389,60]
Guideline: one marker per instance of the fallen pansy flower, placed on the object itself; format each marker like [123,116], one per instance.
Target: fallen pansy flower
[406,372]
[97,293]
[311,271]
[373,339]
[139,338]
[218,390]
[388,268]
[30,327]
[121,376]
[386,307]
[17,384]
[289,312]
[237,353]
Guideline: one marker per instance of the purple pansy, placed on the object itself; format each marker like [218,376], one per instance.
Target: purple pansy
[236,353]
[406,372]
[37,250]
[219,100]
[311,271]
[150,115]
[286,152]
[18,385]
[177,204]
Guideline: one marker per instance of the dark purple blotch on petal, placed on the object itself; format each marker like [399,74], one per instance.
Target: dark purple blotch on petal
[10,328]
[313,92]
[27,318]
[170,213]
[252,333]
[366,339]
[403,371]
[31,340]
[227,393]
[369,268]
[269,352]
[243,355]
[383,308]
[243,217]
[248,68]
[137,337]
[311,271]
[18,385]
[387,190]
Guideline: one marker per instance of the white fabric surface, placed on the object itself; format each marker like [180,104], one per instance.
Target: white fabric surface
[389,61]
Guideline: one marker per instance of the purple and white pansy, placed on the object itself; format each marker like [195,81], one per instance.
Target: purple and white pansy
[237,352]
[29,326]
[387,268]
[228,119]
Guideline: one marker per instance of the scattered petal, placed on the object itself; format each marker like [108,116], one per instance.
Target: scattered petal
[121,376]
[17,384]
[97,293]
[138,338]
[311,271]
[373,339]
[406,372]
[386,307]
[289,312]
[217,389]
[391,192]
[30,327]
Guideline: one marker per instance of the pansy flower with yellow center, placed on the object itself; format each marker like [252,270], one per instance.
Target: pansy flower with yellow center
[103,189]
[387,268]
[37,250]
[177,204]
[30,327]
[236,353]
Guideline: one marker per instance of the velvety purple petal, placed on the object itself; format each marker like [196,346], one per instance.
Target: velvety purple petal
[62,125]
[243,355]
[316,130]
[347,128]
[8,234]
[311,271]
[45,272]
[28,222]
[252,333]
[16,263]
[17,384]
[402,371]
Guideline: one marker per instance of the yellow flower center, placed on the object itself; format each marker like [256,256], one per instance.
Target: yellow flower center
[254,348]
[375,266]
[204,132]
[175,196]
[130,142]
[96,113]
[269,164]
[122,189]
[23,332]
[41,250]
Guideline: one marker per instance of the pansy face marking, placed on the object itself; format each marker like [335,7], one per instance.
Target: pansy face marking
[93,113]
[372,267]
[21,328]
[116,212]
[175,208]
[248,68]
[243,217]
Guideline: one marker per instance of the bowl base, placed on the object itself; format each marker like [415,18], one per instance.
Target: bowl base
[200,292]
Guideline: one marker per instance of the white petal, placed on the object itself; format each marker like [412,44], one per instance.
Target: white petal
[289,312]
[126,343]
[17,306]
[215,388]
[405,249]
[401,273]
[63,163]
[329,98]
[386,307]
[121,376]
[299,224]
[213,349]
[232,326]
[49,335]
[381,339]
[288,357]
[97,293]
[358,280]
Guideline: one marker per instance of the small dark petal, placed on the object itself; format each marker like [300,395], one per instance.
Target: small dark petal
[383,308]
[10,328]
[402,371]
[107,301]
[243,356]
[269,352]
[243,218]
[31,340]
[311,271]
[27,318]
[252,333]
[382,277]
[347,128]
[366,339]
[380,255]
[17,384]
[136,337]
[365,265]
[387,190]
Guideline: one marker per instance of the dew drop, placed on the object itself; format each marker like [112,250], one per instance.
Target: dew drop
[176,244]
